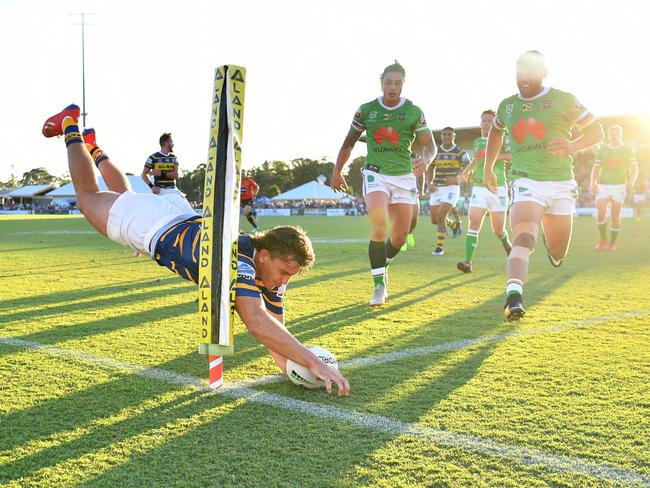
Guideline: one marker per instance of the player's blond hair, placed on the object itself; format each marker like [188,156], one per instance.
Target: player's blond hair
[288,242]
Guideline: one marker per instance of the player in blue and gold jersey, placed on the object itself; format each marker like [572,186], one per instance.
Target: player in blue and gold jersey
[443,184]
[156,227]
[163,166]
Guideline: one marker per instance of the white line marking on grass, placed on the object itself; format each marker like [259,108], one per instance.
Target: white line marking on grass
[524,455]
[461,344]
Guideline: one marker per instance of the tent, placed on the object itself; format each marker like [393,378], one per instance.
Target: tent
[31,193]
[310,191]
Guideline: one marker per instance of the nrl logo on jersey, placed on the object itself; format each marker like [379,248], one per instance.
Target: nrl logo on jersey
[401,117]
[527,107]
[372,115]
[547,104]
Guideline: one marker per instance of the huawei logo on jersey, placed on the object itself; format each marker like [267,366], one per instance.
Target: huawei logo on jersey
[530,126]
[386,134]
[480,154]
[613,162]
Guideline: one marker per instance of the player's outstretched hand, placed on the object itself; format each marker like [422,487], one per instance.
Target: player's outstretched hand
[559,147]
[338,182]
[490,180]
[594,188]
[155,189]
[330,375]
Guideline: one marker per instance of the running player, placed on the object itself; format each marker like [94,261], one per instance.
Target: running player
[163,165]
[249,190]
[390,189]
[482,199]
[443,183]
[158,228]
[613,171]
[539,121]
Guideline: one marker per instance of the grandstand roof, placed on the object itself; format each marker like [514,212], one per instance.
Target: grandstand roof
[310,191]
[30,191]
[67,191]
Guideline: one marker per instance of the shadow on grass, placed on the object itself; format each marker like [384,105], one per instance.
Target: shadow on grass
[81,293]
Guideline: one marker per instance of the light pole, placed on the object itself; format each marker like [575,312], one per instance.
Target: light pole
[83,64]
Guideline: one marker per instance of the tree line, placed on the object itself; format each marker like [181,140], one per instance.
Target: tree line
[273,177]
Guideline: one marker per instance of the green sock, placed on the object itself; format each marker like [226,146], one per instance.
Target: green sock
[602,228]
[613,235]
[378,279]
[471,241]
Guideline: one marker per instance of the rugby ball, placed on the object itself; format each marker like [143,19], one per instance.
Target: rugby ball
[300,375]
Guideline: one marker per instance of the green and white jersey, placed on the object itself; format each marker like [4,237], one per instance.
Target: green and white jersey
[390,133]
[479,145]
[614,163]
[532,123]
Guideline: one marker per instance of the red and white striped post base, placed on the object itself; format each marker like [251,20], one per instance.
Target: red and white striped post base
[216,372]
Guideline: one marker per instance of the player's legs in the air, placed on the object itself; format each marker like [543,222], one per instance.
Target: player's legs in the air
[94,204]
[601,221]
[525,217]
[476,215]
[114,178]
[498,221]
[439,217]
[616,224]
[377,205]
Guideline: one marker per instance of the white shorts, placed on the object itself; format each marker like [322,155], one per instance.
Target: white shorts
[445,194]
[557,197]
[484,198]
[639,198]
[177,198]
[400,189]
[135,218]
[613,192]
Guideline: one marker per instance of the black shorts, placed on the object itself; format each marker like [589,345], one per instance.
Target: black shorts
[246,201]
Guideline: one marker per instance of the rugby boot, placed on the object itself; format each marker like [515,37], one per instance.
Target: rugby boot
[379,296]
[514,307]
[53,125]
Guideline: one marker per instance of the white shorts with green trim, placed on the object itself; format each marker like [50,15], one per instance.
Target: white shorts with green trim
[557,197]
[611,192]
[400,189]
[484,198]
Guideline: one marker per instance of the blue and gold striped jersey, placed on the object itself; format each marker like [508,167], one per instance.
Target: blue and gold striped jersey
[162,162]
[178,249]
[449,163]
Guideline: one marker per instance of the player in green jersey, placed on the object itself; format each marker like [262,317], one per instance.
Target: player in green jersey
[614,170]
[391,123]
[539,120]
[482,199]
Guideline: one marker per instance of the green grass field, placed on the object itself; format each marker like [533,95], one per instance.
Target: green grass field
[93,343]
